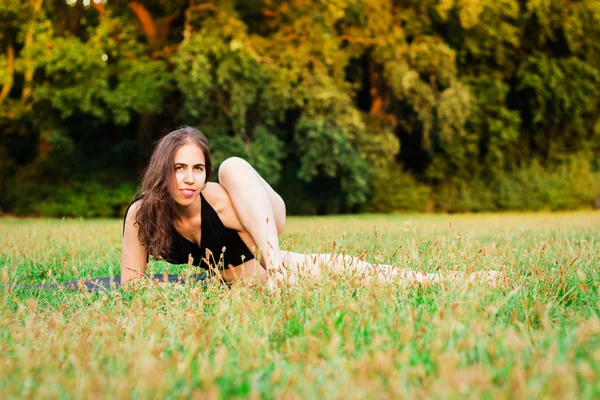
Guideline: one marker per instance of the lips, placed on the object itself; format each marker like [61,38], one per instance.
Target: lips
[187,192]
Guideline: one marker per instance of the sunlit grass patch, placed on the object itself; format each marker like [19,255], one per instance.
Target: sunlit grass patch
[535,334]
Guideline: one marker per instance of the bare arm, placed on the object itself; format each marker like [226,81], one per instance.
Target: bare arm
[134,255]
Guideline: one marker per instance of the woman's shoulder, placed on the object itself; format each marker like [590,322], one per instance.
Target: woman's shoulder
[219,199]
[216,195]
[133,208]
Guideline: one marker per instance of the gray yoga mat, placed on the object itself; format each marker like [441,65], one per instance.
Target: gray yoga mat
[110,283]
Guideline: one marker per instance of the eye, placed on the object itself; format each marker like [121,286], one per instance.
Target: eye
[199,167]
[178,167]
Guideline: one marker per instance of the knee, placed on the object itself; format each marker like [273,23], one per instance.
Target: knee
[233,169]
[280,225]
[280,215]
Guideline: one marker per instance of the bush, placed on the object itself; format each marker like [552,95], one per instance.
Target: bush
[573,186]
[264,153]
[570,186]
[76,199]
[522,189]
[396,190]
[464,197]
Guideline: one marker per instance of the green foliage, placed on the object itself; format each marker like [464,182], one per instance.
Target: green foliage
[392,189]
[76,199]
[570,186]
[220,76]
[470,91]
[458,196]
[141,89]
[76,77]
[264,153]
[377,143]
[494,124]
[564,97]
[325,144]
[482,31]
[395,190]
[69,188]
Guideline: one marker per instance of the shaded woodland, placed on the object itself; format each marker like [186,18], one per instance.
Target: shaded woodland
[343,106]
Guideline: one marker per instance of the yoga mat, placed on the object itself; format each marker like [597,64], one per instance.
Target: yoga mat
[109,283]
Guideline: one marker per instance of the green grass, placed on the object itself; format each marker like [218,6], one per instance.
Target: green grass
[536,334]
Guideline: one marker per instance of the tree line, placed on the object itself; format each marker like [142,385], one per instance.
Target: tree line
[344,106]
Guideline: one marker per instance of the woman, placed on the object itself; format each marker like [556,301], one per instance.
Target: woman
[180,213]
[230,228]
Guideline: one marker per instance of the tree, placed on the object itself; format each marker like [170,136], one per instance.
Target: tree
[339,96]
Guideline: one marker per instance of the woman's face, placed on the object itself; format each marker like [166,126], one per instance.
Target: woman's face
[190,174]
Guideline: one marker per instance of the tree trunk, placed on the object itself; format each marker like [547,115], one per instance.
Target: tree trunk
[146,132]
[100,8]
[156,30]
[29,63]
[377,90]
[44,149]
[146,21]
[74,18]
[8,80]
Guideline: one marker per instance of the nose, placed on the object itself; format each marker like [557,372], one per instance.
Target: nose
[189,177]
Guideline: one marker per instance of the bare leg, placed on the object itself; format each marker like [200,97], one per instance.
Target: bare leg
[297,266]
[276,203]
[262,212]
[260,209]
[317,265]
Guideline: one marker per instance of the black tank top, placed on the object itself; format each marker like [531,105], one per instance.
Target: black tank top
[219,246]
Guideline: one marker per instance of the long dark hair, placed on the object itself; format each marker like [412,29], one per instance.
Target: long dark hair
[155,215]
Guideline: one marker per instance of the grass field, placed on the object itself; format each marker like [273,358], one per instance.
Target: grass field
[536,334]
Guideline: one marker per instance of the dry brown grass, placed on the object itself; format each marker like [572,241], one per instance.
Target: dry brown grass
[535,335]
